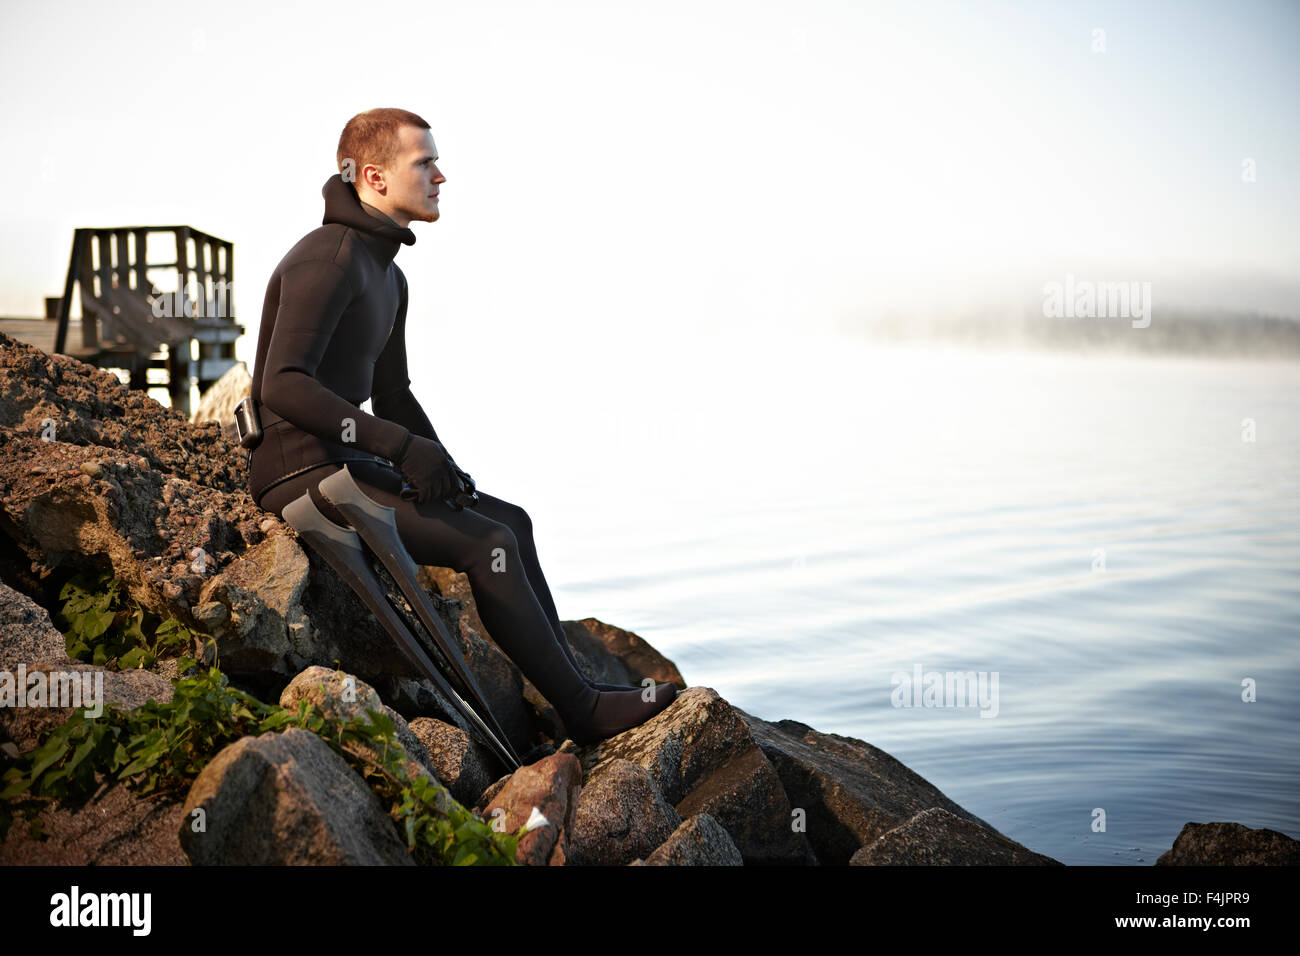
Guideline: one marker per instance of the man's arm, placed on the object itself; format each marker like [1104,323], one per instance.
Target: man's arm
[391,396]
[313,296]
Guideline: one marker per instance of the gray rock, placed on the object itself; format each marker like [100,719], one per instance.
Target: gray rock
[218,403]
[27,636]
[621,816]
[850,791]
[457,759]
[616,656]
[700,841]
[27,726]
[286,799]
[341,696]
[936,837]
[701,756]
[1230,844]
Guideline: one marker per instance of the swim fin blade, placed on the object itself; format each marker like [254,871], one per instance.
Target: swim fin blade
[343,549]
[377,528]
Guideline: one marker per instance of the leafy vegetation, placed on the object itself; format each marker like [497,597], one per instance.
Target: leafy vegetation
[102,627]
[160,748]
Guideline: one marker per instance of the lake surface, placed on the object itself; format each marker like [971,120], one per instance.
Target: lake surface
[798,520]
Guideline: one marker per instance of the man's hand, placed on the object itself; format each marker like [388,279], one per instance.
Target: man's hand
[467,482]
[428,469]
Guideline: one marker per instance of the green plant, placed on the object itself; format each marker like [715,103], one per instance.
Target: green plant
[102,627]
[159,748]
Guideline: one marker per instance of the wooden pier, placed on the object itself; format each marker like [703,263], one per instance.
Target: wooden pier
[176,314]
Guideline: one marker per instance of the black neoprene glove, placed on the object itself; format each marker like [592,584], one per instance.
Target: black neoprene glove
[427,468]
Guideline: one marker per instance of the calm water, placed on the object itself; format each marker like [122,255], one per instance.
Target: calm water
[794,520]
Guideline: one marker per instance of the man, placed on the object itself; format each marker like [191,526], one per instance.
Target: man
[335,298]
[333,333]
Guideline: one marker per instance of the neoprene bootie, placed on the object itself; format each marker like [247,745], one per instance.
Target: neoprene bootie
[595,685]
[588,714]
[616,711]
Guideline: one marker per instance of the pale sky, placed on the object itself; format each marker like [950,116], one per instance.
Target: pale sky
[651,167]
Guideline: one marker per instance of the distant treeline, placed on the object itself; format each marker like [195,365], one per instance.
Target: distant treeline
[1212,334]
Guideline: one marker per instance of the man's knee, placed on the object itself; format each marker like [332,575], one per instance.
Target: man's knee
[495,552]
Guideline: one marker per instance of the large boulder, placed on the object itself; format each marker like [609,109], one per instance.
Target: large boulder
[344,697]
[850,792]
[936,837]
[286,799]
[700,755]
[621,817]
[700,841]
[1230,844]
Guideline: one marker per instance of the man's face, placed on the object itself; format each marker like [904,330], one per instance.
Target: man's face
[411,185]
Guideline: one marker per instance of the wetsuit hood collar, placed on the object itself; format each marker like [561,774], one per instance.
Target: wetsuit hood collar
[342,205]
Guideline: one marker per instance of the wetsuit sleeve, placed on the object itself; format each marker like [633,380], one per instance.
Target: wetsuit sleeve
[313,297]
[392,398]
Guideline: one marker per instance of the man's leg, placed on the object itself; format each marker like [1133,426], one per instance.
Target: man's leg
[517,519]
[490,554]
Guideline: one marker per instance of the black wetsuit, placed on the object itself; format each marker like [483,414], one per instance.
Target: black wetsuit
[332,335]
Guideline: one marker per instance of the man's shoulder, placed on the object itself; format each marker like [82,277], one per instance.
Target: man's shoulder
[333,242]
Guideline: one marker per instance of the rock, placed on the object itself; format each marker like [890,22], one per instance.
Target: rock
[850,791]
[343,696]
[621,816]
[95,476]
[700,754]
[552,786]
[1230,844]
[700,841]
[27,635]
[218,403]
[457,759]
[286,799]
[77,404]
[265,625]
[936,837]
[617,656]
[26,726]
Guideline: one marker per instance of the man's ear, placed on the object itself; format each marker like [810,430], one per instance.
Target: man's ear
[373,177]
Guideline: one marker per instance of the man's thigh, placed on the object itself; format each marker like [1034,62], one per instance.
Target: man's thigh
[498,509]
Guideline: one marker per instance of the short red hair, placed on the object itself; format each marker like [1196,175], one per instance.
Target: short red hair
[371,137]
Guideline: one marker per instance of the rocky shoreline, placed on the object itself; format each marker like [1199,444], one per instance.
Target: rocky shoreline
[95,477]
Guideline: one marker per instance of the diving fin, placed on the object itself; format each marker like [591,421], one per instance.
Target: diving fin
[342,548]
[378,530]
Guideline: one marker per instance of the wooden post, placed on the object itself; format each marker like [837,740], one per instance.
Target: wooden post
[182,267]
[142,282]
[65,307]
[178,375]
[89,320]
